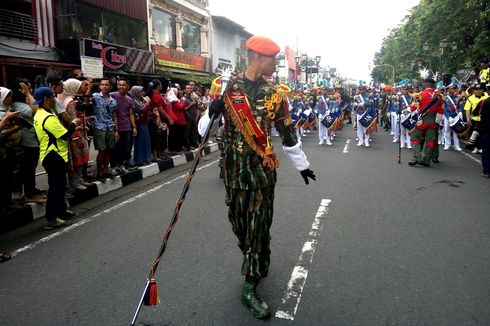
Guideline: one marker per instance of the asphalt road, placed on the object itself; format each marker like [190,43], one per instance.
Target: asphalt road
[396,245]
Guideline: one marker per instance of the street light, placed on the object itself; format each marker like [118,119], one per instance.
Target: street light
[443,45]
[298,62]
[305,62]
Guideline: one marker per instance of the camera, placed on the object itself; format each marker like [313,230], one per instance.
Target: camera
[85,104]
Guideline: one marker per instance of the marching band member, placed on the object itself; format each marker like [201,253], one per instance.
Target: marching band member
[363,103]
[450,109]
[321,106]
[395,107]
[405,101]
[430,114]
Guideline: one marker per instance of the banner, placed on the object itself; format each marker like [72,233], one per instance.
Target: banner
[92,67]
[119,57]
[178,59]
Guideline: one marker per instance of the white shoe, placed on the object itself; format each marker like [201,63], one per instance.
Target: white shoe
[395,140]
[475,150]
[458,149]
[409,147]
[329,143]
[366,144]
[480,151]
[402,146]
[321,142]
[446,148]
[359,144]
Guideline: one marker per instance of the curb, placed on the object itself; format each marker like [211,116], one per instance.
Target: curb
[32,211]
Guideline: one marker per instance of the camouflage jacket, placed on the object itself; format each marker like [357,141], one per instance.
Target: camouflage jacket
[243,167]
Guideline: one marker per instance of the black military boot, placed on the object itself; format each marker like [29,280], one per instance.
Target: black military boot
[413,163]
[259,308]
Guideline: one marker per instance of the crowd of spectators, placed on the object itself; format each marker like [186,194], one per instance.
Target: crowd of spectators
[128,125]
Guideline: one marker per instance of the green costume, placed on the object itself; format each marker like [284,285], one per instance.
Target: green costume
[426,129]
[250,184]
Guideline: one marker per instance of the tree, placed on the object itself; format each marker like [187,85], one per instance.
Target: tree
[463,28]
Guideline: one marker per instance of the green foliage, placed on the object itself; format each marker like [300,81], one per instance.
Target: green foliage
[463,25]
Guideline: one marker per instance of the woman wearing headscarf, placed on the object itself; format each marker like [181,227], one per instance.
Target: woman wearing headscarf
[142,143]
[78,143]
[162,116]
[10,145]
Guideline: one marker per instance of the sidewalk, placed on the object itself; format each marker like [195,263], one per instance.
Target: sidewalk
[32,211]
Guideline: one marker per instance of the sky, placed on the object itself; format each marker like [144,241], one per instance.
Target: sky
[345,33]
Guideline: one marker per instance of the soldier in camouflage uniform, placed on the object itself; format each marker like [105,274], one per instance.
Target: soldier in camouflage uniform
[430,115]
[250,105]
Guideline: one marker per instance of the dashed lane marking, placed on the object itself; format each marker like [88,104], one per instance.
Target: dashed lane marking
[346,147]
[296,283]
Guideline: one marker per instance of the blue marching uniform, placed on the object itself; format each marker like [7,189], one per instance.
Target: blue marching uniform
[365,112]
[452,110]
[404,104]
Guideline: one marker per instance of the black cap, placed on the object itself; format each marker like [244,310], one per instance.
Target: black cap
[479,86]
[54,80]
[429,80]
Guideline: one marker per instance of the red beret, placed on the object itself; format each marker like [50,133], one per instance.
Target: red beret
[263,45]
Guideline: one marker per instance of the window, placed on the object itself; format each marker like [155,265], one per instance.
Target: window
[191,38]
[102,25]
[163,29]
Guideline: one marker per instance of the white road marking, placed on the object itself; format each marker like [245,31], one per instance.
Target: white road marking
[346,147]
[34,244]
[474,159]
[296,283]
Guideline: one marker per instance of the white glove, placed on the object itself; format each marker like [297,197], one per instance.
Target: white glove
[460,115]
[439,118]
[297,156]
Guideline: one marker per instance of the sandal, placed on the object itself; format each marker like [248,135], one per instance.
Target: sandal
[4,256]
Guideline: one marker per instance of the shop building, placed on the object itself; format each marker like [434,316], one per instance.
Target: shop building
[228,41]
[179,38]
[114,32]
[28,41]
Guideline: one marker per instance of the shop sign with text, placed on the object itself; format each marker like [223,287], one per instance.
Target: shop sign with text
[118,57]
[178,59]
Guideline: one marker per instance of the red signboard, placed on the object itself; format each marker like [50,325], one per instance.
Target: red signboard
[178,59]
[290,57]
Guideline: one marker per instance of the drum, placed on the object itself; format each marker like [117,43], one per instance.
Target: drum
[327,121]
[456,123]
[312,116]
[409,121]
[368,117]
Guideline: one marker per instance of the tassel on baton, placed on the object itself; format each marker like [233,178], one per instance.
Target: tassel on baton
[149,296]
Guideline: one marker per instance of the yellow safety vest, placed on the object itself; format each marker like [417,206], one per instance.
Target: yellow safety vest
[49,130]
[472,103]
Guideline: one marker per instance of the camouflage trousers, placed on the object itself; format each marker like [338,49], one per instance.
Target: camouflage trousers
[419,137]
[250,214]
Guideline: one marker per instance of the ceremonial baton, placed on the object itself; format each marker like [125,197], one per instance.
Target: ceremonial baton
[150,295]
